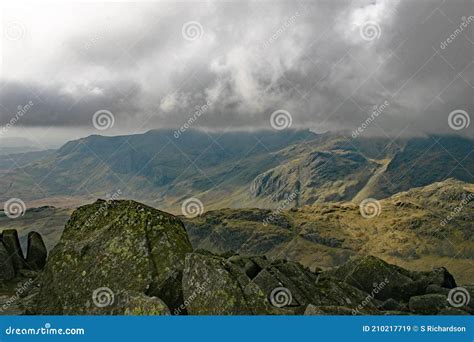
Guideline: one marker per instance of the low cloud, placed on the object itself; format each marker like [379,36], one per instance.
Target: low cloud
[327,63]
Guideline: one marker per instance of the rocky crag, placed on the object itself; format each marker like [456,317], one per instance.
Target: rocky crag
[123,257]
[19,275]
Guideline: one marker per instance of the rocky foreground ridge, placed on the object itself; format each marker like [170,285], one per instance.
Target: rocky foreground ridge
[123,257]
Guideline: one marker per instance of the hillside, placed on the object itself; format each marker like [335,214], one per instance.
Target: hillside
[408,231]
[234,169]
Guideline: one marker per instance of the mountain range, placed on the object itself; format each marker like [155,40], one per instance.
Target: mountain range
[233,169]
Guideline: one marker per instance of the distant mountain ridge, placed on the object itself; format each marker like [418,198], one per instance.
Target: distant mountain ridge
[238,169]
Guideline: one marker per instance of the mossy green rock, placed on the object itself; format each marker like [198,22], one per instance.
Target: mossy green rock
[214,285]
[140,304]
[121,247]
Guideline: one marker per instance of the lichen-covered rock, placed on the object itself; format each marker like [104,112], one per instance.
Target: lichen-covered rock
[37,253]
[210,289]
[7,271]
[138,304]
[214,285]
[429,304]
[117,247]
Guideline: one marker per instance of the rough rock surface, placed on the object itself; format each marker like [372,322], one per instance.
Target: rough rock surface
[36,254]
[110,249]
[141,304]
[215,285]
[12,244]
[429,304]
[7,271]
[391,281]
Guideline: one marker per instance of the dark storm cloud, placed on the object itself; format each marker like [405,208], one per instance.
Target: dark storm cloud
[313,59]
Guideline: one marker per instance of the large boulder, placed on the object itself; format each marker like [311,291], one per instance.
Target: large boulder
[215,285]
[109,250]
[36,253]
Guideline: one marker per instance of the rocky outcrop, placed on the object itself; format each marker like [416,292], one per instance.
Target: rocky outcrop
[116,257]
[214,285]
[18,276]
[125,258]
[12,244]
[12,262]
[386,281]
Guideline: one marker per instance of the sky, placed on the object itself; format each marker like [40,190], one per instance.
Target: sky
[379,67]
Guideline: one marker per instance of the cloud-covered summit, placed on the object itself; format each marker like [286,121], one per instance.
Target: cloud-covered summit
[154,64]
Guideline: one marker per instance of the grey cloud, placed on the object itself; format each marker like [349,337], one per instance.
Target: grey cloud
[257,57]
